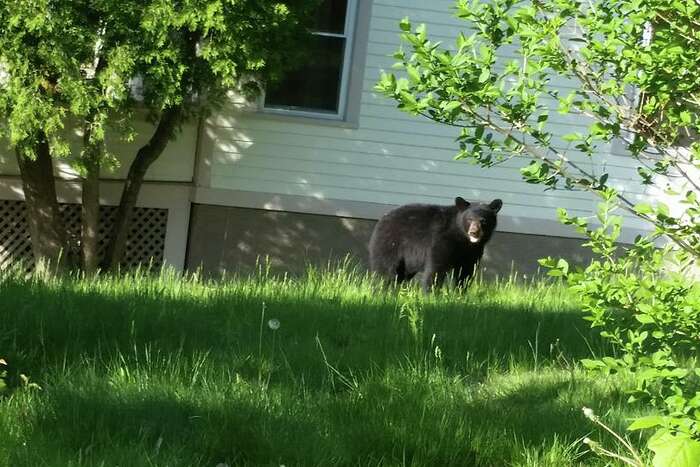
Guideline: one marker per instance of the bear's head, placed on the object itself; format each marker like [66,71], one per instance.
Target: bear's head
[477,221]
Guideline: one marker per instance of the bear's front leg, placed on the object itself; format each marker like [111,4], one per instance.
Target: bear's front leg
[464,274]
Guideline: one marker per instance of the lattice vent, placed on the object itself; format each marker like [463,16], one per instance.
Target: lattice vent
[145,242]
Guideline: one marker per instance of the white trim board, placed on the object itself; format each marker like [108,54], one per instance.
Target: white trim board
[372,211]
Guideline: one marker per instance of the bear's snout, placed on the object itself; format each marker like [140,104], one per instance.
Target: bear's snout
[474,233]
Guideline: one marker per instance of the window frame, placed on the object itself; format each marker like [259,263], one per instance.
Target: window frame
[349,36]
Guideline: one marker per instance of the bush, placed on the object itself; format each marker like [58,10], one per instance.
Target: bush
[636,65]
[643,302]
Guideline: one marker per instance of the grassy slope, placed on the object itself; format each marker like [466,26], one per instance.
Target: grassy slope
[163,371]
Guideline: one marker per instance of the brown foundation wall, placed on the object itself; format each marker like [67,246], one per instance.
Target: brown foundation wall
[232,239]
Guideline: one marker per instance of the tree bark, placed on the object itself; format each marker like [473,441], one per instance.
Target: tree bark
[90,208]
[146,155]
[46,224]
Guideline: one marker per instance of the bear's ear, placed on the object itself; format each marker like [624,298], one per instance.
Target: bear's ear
[461,203]
[496,205]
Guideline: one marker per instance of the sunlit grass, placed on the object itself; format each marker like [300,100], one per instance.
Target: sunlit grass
[171,370]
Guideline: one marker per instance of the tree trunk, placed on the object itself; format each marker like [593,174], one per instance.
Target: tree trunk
[90,209]
[144,158]
[46,224]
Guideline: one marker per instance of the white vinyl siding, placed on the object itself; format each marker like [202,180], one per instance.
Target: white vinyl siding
[391,158]
[174,165]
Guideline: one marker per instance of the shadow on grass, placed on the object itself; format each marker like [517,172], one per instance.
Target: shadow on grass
[351,381]
[44,325]
[388,421]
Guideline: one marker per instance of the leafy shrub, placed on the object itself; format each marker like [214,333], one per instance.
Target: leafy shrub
[635,63]
[643,302]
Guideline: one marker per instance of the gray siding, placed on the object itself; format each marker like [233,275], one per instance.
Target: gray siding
[390,158]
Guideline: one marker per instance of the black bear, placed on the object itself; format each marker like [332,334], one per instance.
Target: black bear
[432,240]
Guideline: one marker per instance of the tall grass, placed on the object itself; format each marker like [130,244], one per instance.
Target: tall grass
[171,370]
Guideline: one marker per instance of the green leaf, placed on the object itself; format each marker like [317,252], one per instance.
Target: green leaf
[421,31]
[452,106]
[674,450]
[462,41]
[646,422]
[563,265]
[570,137]
[685,117]
[643,208]
[644,319]
[592,364]
[405,24]
[399,55]
[485,75]
[413,73]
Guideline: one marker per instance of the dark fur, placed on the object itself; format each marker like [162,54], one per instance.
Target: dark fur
[432,240]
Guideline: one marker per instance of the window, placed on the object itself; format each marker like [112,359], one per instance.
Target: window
[319,86]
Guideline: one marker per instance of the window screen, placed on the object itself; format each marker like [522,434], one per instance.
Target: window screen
[317,84]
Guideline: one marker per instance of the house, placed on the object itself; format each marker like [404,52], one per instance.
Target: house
[303,173]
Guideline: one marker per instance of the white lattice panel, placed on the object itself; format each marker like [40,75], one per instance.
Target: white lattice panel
[145,242]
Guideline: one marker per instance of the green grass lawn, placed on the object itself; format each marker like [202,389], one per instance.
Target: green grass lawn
[182,372]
